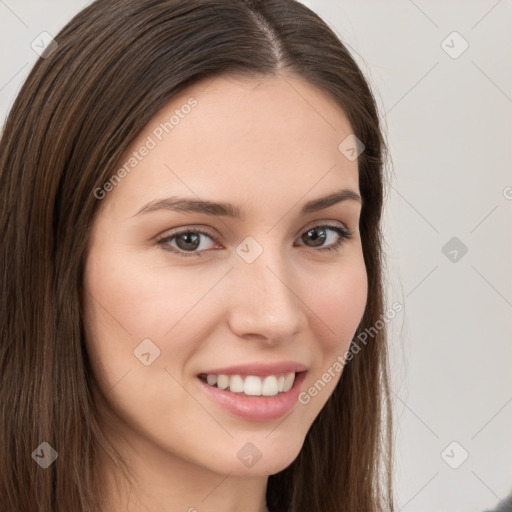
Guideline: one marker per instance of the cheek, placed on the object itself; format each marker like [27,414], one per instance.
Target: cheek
[126,305]
[338,301]
[129,300]
[145,293]
[337,305]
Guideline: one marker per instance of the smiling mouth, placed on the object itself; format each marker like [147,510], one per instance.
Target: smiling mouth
[252,385]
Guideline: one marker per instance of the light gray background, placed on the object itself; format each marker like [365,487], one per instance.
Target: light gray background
[448,122]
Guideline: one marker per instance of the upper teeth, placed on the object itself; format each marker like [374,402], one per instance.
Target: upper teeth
[253,385]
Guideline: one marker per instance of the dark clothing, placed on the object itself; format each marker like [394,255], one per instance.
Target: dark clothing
[503,506]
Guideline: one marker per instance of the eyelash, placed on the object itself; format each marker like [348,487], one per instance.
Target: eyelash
[344,235]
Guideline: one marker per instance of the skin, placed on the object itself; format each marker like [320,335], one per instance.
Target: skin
[268,145]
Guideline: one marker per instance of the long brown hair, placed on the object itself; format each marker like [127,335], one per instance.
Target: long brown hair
[114,66]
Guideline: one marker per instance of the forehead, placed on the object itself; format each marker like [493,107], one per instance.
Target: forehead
[239,139]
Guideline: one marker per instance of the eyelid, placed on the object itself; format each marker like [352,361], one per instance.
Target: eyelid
[325,223]
[197,228]
[344,234]
[186,229]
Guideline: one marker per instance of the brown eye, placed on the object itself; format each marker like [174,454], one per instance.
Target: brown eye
[319,234]
[186,241]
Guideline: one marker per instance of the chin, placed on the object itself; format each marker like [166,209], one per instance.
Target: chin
[263,455]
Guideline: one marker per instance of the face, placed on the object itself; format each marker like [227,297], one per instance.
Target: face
[181,294]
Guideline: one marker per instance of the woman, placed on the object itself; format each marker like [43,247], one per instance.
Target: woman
[191,202]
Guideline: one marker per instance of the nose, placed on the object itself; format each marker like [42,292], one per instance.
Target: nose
[264,299]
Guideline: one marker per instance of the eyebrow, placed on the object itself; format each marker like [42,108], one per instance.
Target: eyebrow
[222,209]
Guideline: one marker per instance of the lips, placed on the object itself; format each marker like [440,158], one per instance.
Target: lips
[258,369]
[255,391]
[255,408]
